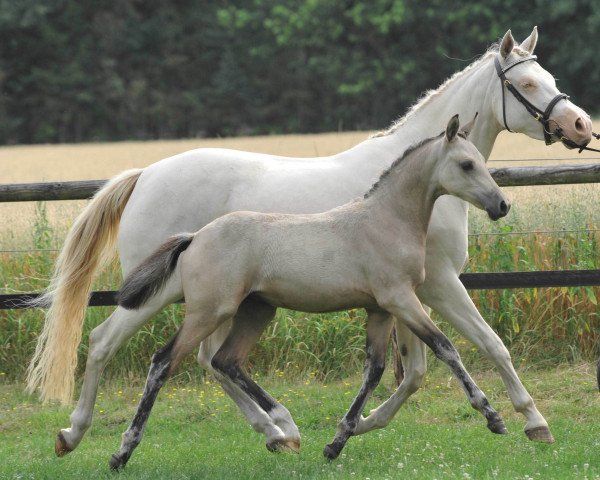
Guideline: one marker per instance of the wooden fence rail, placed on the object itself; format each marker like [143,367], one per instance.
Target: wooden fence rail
[471,281]
[505,177]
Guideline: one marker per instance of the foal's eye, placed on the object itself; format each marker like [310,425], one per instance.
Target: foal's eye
[466,165]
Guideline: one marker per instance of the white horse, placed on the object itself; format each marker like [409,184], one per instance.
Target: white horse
[367,253]
[139,209]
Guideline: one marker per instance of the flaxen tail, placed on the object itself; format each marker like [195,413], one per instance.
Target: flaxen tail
[150,276]
[89,244]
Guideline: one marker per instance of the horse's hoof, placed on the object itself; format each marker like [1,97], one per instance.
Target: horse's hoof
[498,427]
[60,446]
[116,463]
[282,445]
[330,452]
[540,434]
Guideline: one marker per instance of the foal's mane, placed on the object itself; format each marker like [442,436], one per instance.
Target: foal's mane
[431,94]
[399,160]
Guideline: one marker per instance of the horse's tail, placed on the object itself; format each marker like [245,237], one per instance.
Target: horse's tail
[152,274]
[89,244]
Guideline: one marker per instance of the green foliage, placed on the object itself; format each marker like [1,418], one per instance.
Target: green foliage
[98,70]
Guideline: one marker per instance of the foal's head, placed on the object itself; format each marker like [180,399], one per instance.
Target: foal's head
[462,172]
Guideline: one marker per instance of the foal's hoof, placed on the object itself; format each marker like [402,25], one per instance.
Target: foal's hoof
[60,446]
[117,463]
[540,434]
[497,426]
[281,445]
[331,452]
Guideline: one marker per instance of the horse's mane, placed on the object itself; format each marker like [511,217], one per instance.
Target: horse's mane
[431,94]
[396,162]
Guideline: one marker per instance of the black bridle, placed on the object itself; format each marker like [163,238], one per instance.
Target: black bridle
[542,116]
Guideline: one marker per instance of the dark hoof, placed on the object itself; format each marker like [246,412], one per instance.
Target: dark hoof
[540,434]
[117,463]
[497,426]
[292,446]
[60,446]
[331,452]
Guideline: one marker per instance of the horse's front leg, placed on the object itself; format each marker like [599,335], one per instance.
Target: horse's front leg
[414,360]
[407,308]
[379,326]
[448,296]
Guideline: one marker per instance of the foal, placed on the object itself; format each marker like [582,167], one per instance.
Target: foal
[367,253]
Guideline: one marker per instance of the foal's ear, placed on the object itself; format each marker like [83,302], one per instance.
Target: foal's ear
[469,126]
[452,128]
[530,42]
[507,44]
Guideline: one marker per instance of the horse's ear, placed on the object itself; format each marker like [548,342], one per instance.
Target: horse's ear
[529,43]
[507,44]
[452,128]
[469,126]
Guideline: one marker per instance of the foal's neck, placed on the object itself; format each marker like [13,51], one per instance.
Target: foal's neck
[404,196]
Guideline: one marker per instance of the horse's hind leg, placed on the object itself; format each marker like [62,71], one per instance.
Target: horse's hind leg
[194,329]
[258,418]
[379,326]
[105,340]
[261,409]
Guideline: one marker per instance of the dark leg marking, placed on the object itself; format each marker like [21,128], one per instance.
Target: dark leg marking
[251,319]
[374,367]
[159,371]
[231,369]
[445,351]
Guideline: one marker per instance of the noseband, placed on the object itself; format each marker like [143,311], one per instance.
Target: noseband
[542,116]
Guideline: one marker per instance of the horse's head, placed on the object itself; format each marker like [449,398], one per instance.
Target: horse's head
[462,172]
[526,91]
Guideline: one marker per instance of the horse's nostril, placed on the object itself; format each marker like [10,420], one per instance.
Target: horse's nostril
[579,125]
[504,207]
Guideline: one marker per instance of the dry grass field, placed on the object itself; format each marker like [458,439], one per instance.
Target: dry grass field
[22,164]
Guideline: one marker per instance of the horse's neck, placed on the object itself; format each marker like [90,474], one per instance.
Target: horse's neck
[468,93]
[405,197]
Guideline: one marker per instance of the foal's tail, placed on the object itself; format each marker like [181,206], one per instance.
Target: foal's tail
[150,276]
[89,244]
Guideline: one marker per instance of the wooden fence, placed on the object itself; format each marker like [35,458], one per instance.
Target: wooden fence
[505,177]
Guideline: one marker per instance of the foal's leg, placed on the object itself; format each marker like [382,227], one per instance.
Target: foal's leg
[266,414]
[448,296]
[105,340]
[407,308]
[279,428]
[379,326]
[195,328]
[414,359]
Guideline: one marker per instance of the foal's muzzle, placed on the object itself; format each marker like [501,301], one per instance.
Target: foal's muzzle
[499,211]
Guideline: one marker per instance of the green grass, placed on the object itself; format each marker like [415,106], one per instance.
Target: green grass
[197,432]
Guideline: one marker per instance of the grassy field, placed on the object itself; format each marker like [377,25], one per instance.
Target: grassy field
[197,432]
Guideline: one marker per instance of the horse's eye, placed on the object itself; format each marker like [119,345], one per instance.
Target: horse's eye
[467,165]
[527,85]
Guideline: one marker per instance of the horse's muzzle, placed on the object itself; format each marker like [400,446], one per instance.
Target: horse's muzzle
[499,211]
